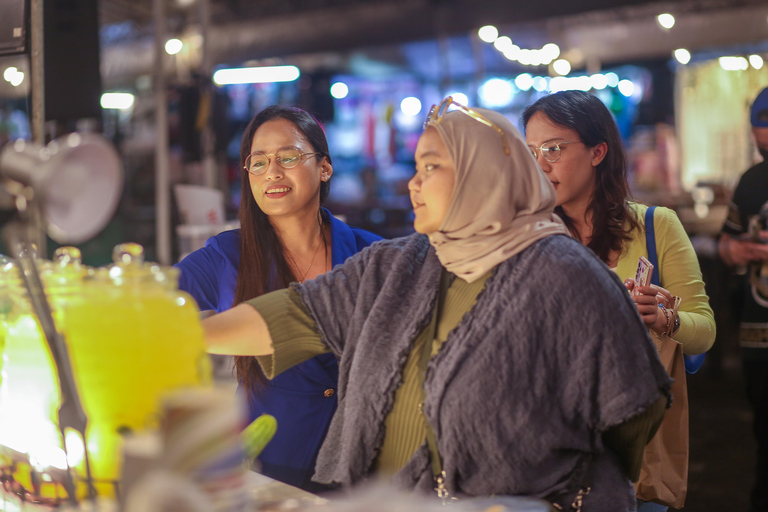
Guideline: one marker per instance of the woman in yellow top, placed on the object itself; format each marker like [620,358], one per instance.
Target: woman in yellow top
[576,142]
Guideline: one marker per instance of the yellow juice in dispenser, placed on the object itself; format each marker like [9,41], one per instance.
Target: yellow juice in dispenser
[133,338]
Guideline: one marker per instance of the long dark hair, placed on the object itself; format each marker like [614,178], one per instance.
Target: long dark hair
[612,219]
[263,266]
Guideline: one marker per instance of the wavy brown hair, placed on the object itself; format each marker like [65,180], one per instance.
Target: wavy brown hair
[612,219]
[263,267]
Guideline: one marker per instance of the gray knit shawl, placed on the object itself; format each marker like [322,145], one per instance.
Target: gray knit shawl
[552,354]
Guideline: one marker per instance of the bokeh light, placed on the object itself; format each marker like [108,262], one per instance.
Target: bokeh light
[339,90]
[562,67]
[666,20]
[488,33]
[683,56]
[410,106]
[173,46]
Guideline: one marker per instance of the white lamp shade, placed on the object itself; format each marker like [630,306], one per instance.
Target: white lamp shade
[77,178]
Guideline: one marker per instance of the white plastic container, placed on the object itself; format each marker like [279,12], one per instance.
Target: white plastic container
[200,205]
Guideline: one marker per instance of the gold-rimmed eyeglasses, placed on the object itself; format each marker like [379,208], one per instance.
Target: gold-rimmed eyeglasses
[286,157]
[437,112]
[550,150]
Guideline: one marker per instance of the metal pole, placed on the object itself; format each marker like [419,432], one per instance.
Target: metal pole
[207,137]
[162,181]
[38,72]
[37,65]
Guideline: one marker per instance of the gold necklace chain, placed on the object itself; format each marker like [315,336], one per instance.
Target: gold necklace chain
[322,242]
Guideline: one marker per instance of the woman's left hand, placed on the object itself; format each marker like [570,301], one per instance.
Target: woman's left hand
[647,301]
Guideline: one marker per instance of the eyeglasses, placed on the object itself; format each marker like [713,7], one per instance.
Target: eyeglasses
[437,112]
[288,157]
[550,152]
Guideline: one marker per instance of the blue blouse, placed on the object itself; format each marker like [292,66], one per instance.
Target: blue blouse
[302,399]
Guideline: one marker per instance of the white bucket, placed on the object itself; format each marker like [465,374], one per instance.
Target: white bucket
[200,205]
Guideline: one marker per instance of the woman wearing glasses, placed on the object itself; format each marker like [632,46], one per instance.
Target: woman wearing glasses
[284,236]
[454,374]
[576,142]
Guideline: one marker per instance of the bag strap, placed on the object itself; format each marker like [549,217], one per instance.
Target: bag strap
[441,324]
[692,363]
[650,244]
[424,357]
[426,353]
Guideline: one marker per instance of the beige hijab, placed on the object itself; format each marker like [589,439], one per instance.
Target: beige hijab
[501,203]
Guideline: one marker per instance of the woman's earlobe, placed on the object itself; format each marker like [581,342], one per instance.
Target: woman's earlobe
[599,157]
[326,172]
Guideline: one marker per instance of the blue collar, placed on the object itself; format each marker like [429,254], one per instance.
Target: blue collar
[343,241]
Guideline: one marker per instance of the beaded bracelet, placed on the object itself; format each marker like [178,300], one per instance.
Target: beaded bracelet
[673,318]
[666,314]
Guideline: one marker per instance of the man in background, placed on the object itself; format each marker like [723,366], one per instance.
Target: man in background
[744,243]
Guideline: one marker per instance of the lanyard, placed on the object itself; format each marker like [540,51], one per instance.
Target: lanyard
[426,354]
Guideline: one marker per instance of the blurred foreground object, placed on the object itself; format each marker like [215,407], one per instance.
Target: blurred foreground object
[380,497]
[258,434]
[202,464]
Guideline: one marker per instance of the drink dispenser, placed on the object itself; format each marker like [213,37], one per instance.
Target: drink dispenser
[132,336]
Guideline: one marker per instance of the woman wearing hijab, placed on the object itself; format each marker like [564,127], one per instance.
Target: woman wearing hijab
[488,354]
